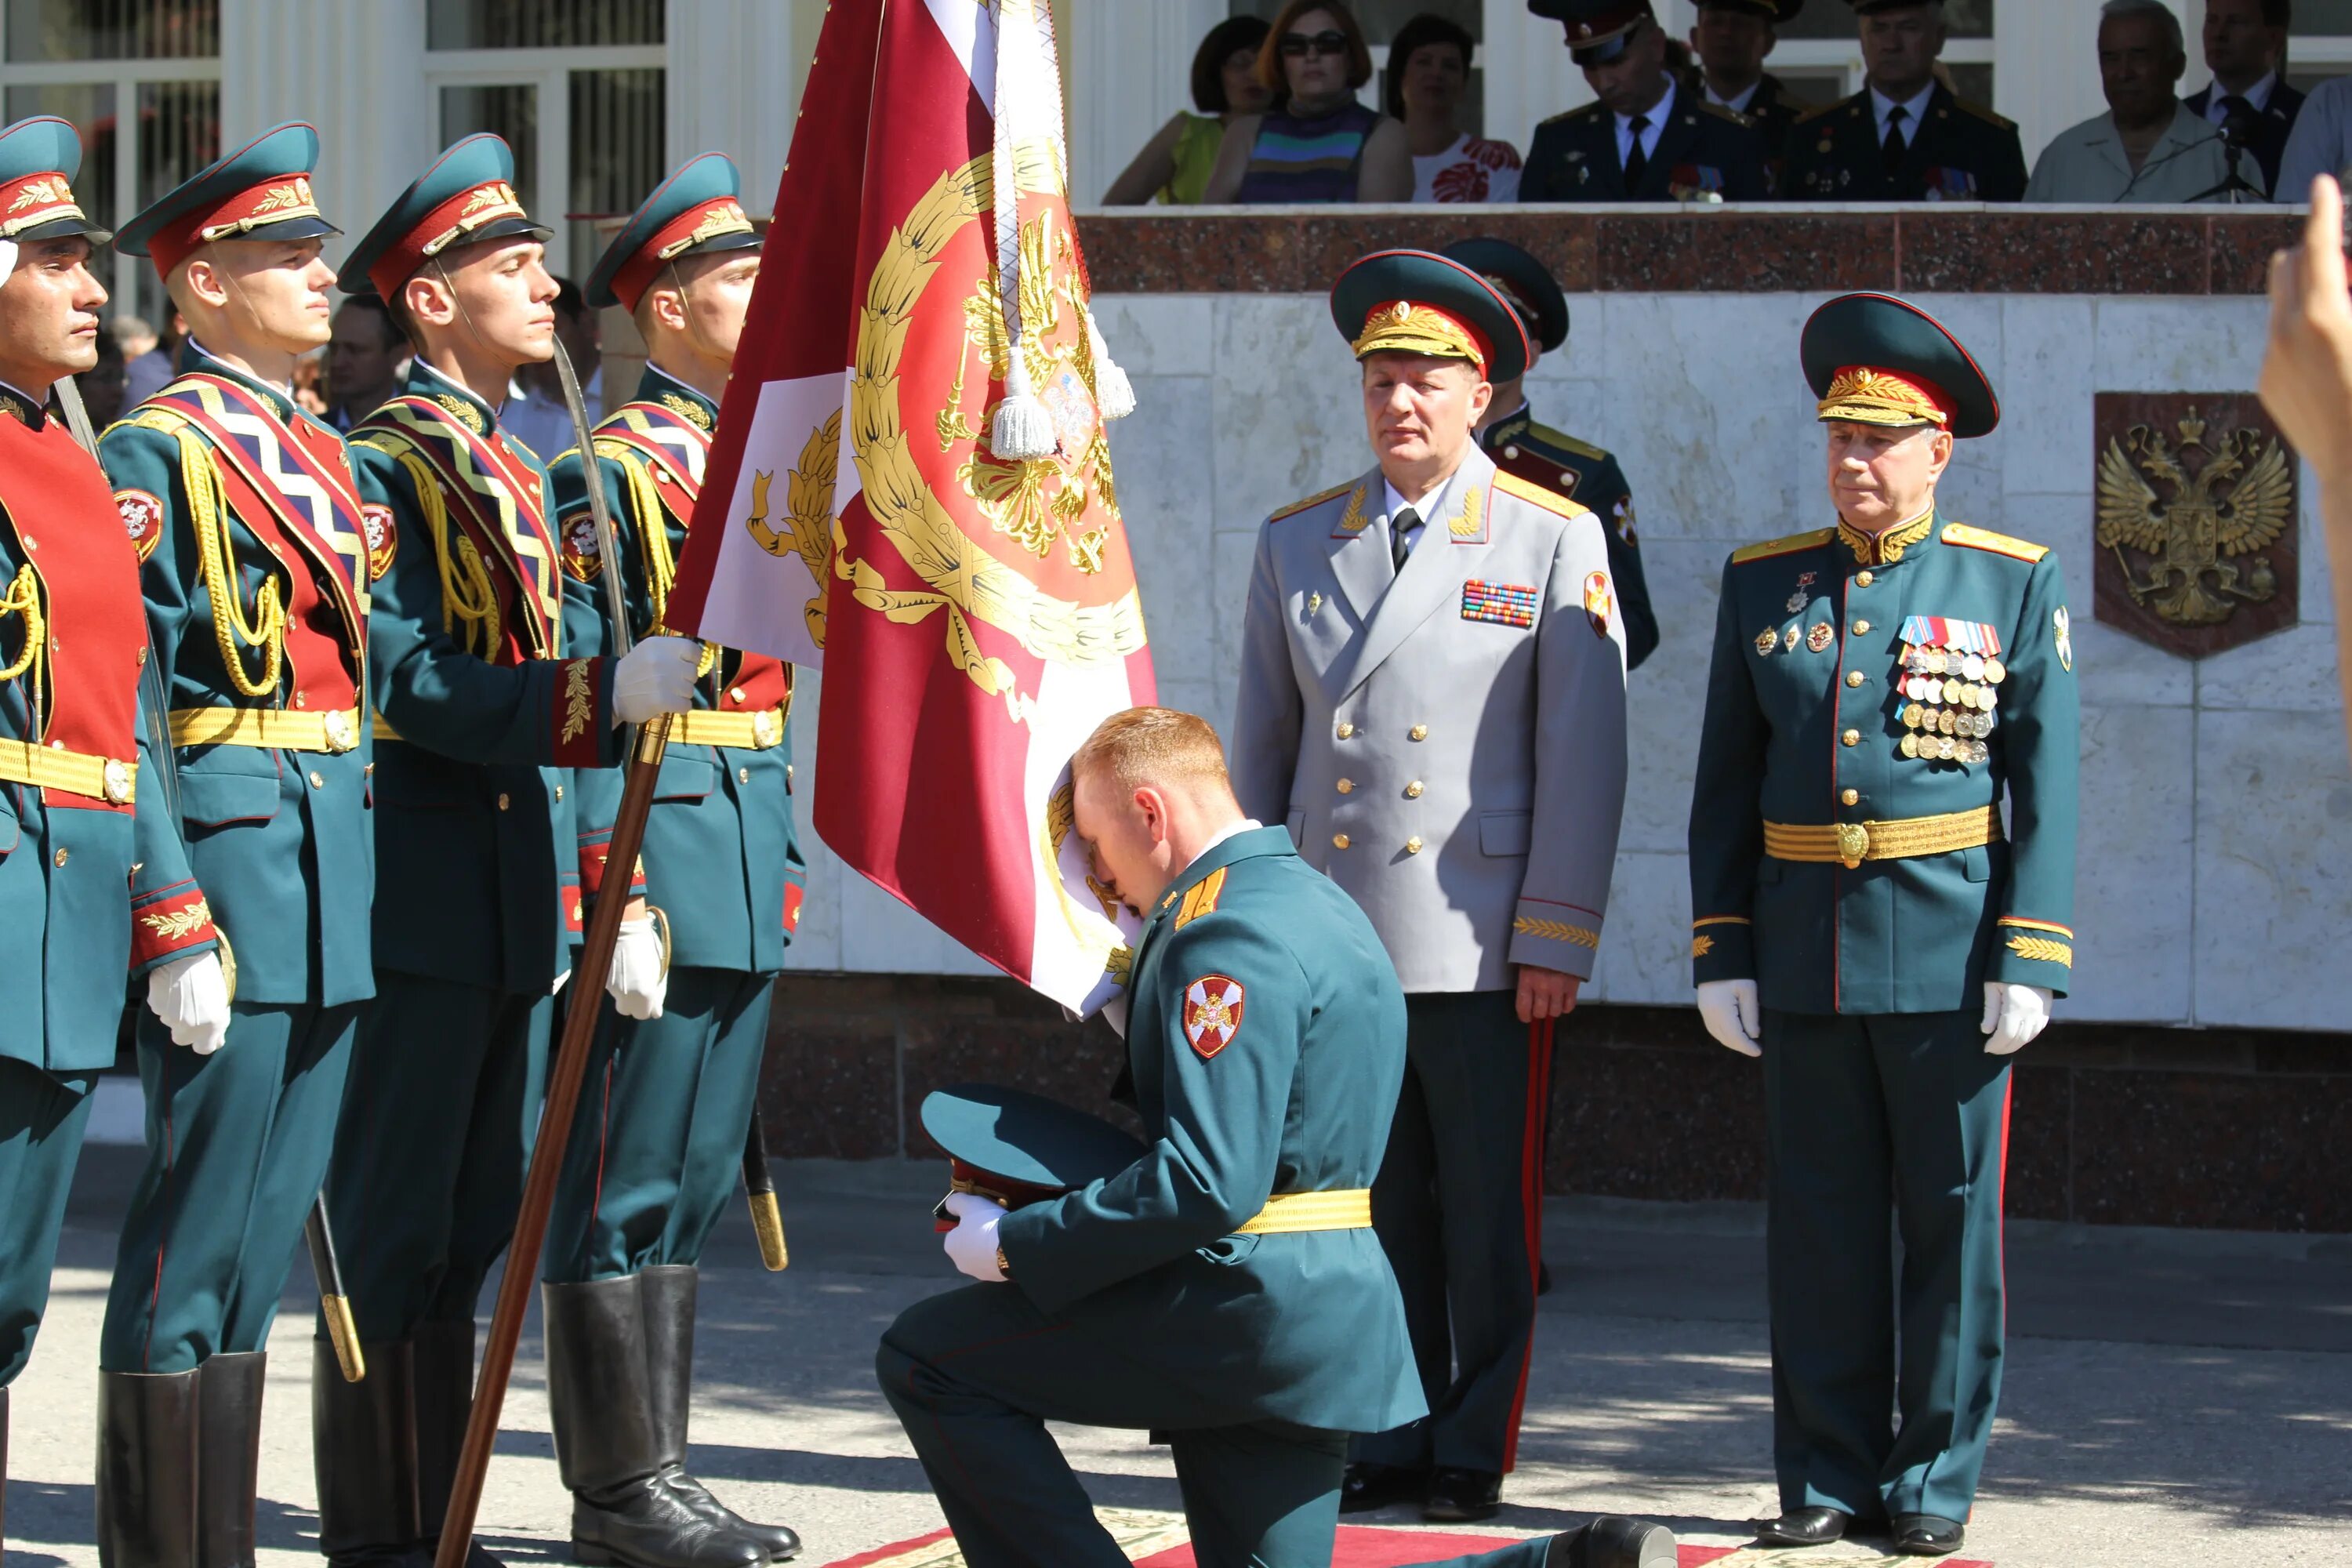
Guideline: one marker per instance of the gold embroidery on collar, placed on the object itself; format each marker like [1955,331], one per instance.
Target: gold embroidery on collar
[467,414]
[1882,549]
[1352,519]
[1469,524]
[686,408]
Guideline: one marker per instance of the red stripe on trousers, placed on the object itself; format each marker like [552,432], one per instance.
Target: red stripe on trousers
[1531,1185]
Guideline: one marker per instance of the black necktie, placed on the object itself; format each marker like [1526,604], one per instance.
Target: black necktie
[2237,105]
[1400,537]
[1894,147]
[1637,162]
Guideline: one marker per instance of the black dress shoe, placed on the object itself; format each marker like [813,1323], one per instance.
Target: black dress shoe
[1367,1485]
[1924,1535]
[1458,1496]
[1613,1541]
[1803,1527]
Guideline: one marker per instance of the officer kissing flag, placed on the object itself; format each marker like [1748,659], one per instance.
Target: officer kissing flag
[962,576]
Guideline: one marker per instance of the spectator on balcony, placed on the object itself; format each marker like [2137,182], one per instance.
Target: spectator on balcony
[1321,145]
[2245,47]
[1906,136]
[1174,165]
[1428,74]
[1648,137]
[2149,146]
[1730,43]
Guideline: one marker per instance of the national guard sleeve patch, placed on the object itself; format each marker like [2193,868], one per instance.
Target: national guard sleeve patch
[1213,1014]
[1596,602]
[142,519]
[382,539]
[582,558]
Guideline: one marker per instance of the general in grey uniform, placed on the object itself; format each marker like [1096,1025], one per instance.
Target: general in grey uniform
[1432,698]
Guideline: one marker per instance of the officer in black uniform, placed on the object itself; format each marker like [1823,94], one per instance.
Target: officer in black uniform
[1649,138]
[1535,452]
[1905,137]
[1730,43]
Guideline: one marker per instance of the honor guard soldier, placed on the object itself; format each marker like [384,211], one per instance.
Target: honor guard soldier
[1730,42]
[1867,923]
[660,1137]
[485,857]
[1222,1288]
[1541,455]
[1905,137]
[256,575]
[94,883]
[1433,697]
[1648,138]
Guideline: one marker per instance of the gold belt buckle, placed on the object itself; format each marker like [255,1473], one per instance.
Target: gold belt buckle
[340,732]
[1854,843]
[117,777]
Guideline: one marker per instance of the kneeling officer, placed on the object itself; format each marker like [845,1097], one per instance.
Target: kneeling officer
[1226,1288]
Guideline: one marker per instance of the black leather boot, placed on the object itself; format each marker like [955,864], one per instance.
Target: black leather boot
[599,1401]
[147,1470]
[667,1293]
[443,1378]
[363,1453]
[228,1461]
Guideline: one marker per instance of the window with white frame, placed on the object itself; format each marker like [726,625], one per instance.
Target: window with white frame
[140,80]
[2319,42]
[574,85]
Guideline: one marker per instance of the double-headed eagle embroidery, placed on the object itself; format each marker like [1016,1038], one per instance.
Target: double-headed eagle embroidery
[2239,500]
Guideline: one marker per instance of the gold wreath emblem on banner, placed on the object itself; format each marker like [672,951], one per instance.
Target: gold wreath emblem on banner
[964,578]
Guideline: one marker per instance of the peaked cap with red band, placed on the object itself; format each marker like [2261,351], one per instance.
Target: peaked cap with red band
[466,198]
[1598,30]
[698,209]
[1417,301]
[1873,359]
[38,159]
[261,190]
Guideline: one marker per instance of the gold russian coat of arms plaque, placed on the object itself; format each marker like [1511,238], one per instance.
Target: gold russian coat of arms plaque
[2196,531]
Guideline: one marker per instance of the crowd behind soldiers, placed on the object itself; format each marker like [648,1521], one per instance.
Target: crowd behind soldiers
[1705,121]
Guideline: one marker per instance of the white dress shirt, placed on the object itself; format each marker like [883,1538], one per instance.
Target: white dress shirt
[1737,103]
[1656,115]
[1423,509]
[2257,95]
[1914,111]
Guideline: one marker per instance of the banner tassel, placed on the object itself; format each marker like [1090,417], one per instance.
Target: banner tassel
[1114,394]
[1021,428]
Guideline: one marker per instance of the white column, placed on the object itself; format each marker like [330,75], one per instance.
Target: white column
[735,73]
[1128,65]
[1529,75]
[354,71]
[2046,69]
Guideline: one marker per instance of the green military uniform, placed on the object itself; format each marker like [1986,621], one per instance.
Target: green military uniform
[1684,149]
[1770,105]
[94,883]
[226,486]
[484,859]
[660,1135]
[1871,698]
[1955,152]
[1225,1289]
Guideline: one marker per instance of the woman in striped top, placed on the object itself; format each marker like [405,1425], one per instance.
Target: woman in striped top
[1322,145]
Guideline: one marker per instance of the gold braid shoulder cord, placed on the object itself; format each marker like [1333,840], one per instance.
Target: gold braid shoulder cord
[467,594]
[24,599]
[217,558]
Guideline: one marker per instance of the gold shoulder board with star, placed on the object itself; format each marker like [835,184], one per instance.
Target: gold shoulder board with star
[1510,484]
[1982,112]
[1567,443]
[1318,498]
[1786,546]
[1999,543]
[1201,899]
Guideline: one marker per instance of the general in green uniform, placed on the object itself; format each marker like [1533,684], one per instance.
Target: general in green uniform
[484,856]
[1868,921]
[1225,1288]
[660,1135]
[94,881]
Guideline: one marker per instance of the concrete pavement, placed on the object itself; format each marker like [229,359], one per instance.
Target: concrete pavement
[2171,1396]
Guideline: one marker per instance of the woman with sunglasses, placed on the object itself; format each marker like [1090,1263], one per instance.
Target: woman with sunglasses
[1174,165]
[1322,145]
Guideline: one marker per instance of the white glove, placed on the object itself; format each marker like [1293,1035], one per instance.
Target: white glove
[655,676]
[971,1245]
[636,981]
[1727,1008]
[2013,1016]
[191,997]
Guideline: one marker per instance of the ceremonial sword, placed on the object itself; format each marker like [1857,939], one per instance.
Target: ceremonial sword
[333,1304]
[759,1181]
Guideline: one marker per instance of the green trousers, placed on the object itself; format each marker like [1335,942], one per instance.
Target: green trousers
[1864,1114]
[42,1115]
[237,1149]
[975,1375]
[436,1129]
[1452,1207]
[657,1146]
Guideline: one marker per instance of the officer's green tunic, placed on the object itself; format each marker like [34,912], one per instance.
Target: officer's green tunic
[659,1139]
[480,856]
[282,841]
[75,875]
[1878,1091]
[1959,152]
[1703,153]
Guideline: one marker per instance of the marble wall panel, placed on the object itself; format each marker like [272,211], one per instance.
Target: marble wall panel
[2180,345]
[1286,418]
[2273,836]
[1646,945]
[2133,915]
[1166,501]
[1158,335]
[2045,388]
